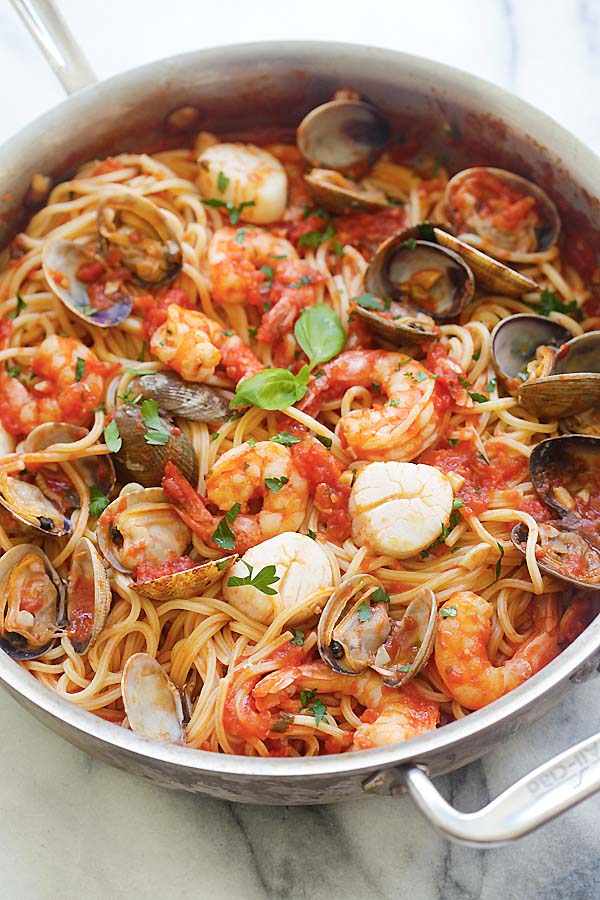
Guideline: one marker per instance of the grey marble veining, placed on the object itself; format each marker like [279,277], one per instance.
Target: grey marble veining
[71,827]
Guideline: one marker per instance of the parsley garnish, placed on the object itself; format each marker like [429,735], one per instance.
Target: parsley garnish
[21,305]
[478,398]
[327,442]
[142,352]
[215,435]
[239,237]
[337,248]
[380,596]
[222,182]
[304,280]
[298,638]
[314,238]
[251,442]
[262,581]
[285,438]
[368,301]
[410,243]
[130,398]
[312,534]
[112,437]
[275,484]
[457,503]
[318,708]
[426,231]
[448,612]
[234,212]
[223,536]
[476,355]
[98,501]
[551,302]
[364,612]
[157,433]
[499,563]
[455,518]
[79,368]
[268,272]
[12,371]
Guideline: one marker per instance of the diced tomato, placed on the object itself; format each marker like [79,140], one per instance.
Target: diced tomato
[145,572]
[90,271]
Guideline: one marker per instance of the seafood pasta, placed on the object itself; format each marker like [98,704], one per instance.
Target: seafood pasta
[298,440]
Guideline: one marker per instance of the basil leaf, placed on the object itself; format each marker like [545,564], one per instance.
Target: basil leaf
[223,536]
[326,441]
[12,371]
[368,301]
[98,501]
[318,709]
[306,697]
[320,334]
[270,389]
[112,437]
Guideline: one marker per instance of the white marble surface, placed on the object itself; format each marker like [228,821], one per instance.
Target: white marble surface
[72,828]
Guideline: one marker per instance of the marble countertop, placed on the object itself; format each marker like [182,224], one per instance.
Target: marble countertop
[69,826]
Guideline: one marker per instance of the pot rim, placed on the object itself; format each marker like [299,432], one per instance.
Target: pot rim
[585,166]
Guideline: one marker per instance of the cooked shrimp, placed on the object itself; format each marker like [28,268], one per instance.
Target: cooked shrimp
[413,417]
[295,286]
[71,386]
[235,258]
[392,714]
[461,655]
[245,475]
[398,508]
[301,567]
[246,177]
[194,345]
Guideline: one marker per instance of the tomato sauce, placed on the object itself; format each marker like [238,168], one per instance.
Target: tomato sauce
[81,610]
[145,572]
[497,202]
[323,472]
[366,230]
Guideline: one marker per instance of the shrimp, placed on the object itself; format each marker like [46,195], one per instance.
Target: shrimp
[412,419]
[391,715]
[194,345]
[461,655]
[240,479]
[254,267]
[71,386]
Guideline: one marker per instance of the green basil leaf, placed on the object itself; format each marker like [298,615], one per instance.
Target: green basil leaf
[320,334]
[270,389]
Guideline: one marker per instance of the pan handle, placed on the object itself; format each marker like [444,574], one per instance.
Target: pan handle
[549,790]
[56,42]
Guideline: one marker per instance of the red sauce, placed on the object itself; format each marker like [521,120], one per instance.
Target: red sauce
[366,230]
[497,201]
[81,610]
[145,572]
[154,309]
[481,479]
[322,471]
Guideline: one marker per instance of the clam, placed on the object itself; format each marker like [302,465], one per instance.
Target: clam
[96,471]
[356,631]
[141,527]
[564,473]
[490,274]
[61,262]
[191,401]
[28,504]
[564,381]
[338,194]
[146,243]
[509,213]
[515,341]
[142,458]
[88,596]
[422,276]
[396,324]
[189,582]
[151,700]
[31,602]
[345,135]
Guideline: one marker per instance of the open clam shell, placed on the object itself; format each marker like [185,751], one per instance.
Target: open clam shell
[188,583]
[338,194]
[490,274]
[572,382]
[31,602]
[421,275]
[566,469]
[344,135]
[97,471]
[88,596]
[356,631]
[140,233]
[189,400]
[144,462]
[515,341]
[485,201]
[562,554]
[61,261]
[28,504]
[141,527]
[151,700]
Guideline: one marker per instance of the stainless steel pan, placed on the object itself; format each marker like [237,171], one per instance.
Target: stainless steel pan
[235,88]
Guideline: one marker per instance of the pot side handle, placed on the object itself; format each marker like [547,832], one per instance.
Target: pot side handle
[56,42]
[549,790]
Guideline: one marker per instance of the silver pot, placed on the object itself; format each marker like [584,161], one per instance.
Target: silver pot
[277,83]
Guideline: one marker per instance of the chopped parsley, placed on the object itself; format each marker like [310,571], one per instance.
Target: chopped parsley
[285,438]
[98,501]
[262,581]
[269,273]
[12,371]
[157,433]
[380,596]
[275,484]
[234,212]
[455,518]
[304,280]
[223,536]
[499,562]
[129,398]
[368,301]
[222,182]
[79,368]
[550,302]
[337,248]
[142,352]
[478,398]
[240,235]
[318,708]
[312,534]
[251,442]
[312,239]
[457,503]
[476,355]
[364,612]
[298,639]
[112,437]
[21,305]
[410,243]
[448,612]
[215,435]
[327,442]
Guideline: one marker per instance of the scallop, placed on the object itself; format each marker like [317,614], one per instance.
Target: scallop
[151,700]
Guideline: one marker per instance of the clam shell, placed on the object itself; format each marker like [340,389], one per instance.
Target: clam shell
[88,596]
[152,702]
[571,461]
[344,135]
[337,194]
[548,230]
[515,341]
[155,256]
[402,331]
[186,584]
[341,650]
[16,643]
[560,395]
[519,534]
[400,260]
[191,401]
[60,262]
[120,530]
[490,274]
[418,626]
[144,463]
[28,504]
